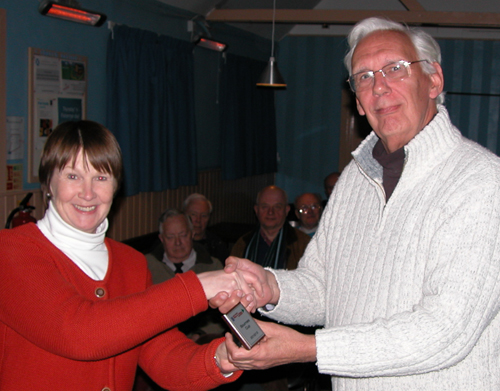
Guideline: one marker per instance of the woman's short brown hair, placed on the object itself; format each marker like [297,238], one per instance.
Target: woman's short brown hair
[98,145]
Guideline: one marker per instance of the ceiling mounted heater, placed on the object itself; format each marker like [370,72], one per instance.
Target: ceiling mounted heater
[71,10]
[211,44]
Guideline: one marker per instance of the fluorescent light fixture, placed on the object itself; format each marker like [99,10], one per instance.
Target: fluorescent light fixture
[70,10]
[211,44]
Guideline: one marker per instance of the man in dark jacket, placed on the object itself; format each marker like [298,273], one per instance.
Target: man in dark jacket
[273,243]
[177,254]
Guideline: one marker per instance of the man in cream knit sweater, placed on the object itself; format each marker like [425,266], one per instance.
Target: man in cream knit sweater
[404,270]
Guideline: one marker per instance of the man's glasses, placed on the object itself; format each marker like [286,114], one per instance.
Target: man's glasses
[304,209]
[395,71]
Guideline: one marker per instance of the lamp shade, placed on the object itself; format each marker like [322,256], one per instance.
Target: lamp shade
[271,77]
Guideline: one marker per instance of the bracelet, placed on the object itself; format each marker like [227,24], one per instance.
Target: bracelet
[220,369]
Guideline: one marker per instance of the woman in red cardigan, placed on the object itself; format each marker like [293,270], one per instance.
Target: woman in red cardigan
[78,310]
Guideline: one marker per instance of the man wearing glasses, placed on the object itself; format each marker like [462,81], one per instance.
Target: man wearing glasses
[308,211]
[404,270]
[274,243]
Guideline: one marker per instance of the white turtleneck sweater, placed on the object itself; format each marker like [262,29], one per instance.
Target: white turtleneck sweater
[87,251]
[408,290]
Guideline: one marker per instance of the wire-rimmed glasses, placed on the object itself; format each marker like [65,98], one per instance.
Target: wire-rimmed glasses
[395,71]
[305,209]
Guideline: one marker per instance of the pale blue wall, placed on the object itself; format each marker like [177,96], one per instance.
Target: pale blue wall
[308,111]
[27,28]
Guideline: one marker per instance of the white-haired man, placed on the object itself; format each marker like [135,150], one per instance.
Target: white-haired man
[199,208]
[177,253]
[404,270]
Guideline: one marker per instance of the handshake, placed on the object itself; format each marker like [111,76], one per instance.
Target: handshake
[246,282]
[241,281]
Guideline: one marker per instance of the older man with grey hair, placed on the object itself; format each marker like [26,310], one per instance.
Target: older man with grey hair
[177,253]
[404,270]
[199,209]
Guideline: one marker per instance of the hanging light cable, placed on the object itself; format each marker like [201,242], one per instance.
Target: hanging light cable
[271,77]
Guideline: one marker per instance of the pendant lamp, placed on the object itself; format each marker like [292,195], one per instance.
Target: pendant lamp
[271,77]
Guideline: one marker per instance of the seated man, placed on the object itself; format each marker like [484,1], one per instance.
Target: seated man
[177,254]
[308,210]
[273,243]
[198,208]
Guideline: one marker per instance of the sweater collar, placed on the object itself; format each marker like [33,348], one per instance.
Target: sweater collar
[62,231]
[86,250]
[428,148]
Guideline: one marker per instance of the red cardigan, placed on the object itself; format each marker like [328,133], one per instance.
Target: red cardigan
[59,329]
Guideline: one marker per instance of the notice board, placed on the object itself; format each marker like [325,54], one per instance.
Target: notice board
[57,93]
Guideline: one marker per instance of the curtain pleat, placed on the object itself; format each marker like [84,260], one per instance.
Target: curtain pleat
[247,120]
[150,109]
[472,84]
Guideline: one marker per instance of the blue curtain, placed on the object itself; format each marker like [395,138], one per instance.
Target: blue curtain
[309,111]
[247,120]
[472,84]
[150,97]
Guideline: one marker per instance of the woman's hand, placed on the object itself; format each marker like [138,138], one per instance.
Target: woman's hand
[233,284]
[261,281]
[258,286]
[281,345]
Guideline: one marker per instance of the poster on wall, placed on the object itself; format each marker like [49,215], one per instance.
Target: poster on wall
[15,138]
[58,91]
[14,132]
[14,177]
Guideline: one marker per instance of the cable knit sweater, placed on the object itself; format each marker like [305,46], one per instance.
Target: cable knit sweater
[60,329]
[408,290]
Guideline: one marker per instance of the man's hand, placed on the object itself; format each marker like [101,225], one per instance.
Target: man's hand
[266,290]
[225,302]
[219,281]
[222,362]
[262,283]
[281,345]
